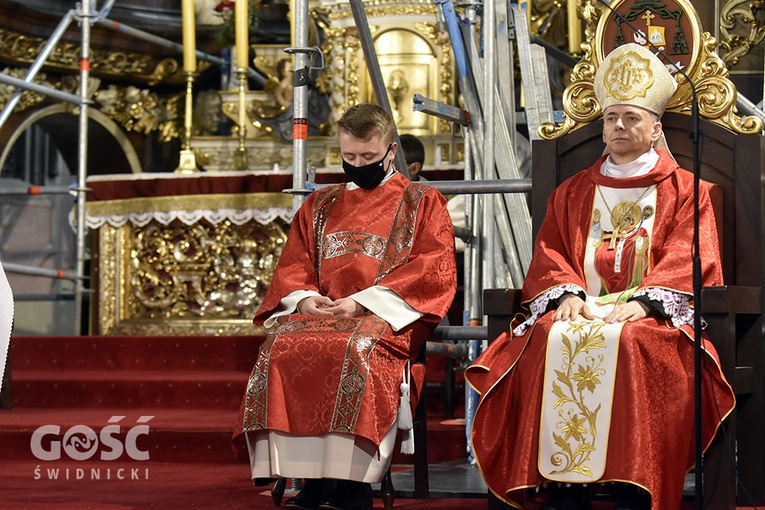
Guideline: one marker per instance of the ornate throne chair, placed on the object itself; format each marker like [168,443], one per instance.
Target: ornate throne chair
[732,153]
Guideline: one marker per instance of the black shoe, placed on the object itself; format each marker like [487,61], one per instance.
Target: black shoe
[576,497]
[349,495]
[309,497]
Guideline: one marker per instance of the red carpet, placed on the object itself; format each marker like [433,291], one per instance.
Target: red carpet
[186,390]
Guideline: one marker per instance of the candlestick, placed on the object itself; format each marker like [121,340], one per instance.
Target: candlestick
[189,36]
[188,162]
[242,39]
[574,28]
[240,156]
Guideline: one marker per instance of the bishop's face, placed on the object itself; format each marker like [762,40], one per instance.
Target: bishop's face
[628,132]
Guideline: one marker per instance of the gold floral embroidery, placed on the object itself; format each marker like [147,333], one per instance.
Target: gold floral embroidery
[581,372]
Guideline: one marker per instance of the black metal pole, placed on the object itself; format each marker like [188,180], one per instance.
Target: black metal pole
[697,351]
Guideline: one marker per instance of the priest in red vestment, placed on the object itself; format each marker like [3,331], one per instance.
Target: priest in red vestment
[367,272]
[596,384]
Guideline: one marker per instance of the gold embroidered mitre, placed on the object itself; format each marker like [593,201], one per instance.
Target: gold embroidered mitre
[632,75]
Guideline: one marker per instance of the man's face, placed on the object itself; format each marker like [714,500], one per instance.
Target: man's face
[629,132]
[363,151]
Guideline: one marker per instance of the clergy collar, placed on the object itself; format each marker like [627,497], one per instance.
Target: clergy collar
[641,166]
[663,168]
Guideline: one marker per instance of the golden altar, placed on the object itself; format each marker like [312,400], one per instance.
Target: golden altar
[179,254]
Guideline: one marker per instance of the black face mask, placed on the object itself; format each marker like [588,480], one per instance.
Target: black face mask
[367,176]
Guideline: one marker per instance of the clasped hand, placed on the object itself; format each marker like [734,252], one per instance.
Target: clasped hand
[571,306]
[324,306]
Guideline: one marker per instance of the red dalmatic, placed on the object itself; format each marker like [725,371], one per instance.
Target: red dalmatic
[318,375]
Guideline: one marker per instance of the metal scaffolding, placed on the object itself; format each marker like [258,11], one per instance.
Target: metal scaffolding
[86,15]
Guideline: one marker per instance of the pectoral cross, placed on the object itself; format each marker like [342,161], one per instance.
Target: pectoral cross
[612,237]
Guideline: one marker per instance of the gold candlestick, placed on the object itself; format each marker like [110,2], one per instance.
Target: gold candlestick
[574,27]
[189,36]
[240,156]
[188,162]
[241,32]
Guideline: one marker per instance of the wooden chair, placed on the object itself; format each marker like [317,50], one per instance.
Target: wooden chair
[421,480]
[734,312]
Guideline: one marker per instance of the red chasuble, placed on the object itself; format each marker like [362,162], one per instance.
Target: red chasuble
[651,442]
[318,375]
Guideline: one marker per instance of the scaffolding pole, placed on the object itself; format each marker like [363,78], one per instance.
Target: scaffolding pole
[34,87]
[489,136]
[40,190]
[85,15]
[60,274]
[301,82]
[375,75]
[28,82]
[86,18]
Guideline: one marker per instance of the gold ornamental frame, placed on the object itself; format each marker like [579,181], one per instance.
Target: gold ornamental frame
[692,49]
[186,267]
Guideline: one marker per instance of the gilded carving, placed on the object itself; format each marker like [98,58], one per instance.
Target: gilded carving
[136,66]
[342,63]
[696,56]
[135,109]
[141,110]
[108,283]
[176,278]
[380,8]
[344,78]
[28,98]
[742,27]
[591,12]
[579,101]
[445,66]
[217,153]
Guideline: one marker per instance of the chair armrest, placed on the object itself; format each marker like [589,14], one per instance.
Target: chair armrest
[501,301]
[720,307]
[731,299]
[500,305]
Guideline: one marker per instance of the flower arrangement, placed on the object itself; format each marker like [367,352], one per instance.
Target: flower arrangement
[225,9]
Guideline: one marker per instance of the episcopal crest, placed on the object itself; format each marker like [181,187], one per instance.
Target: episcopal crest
[628,76]
[674,29]
[669,28]
[649,21]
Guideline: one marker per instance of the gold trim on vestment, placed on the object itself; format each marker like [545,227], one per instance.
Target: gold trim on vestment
[577,399]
